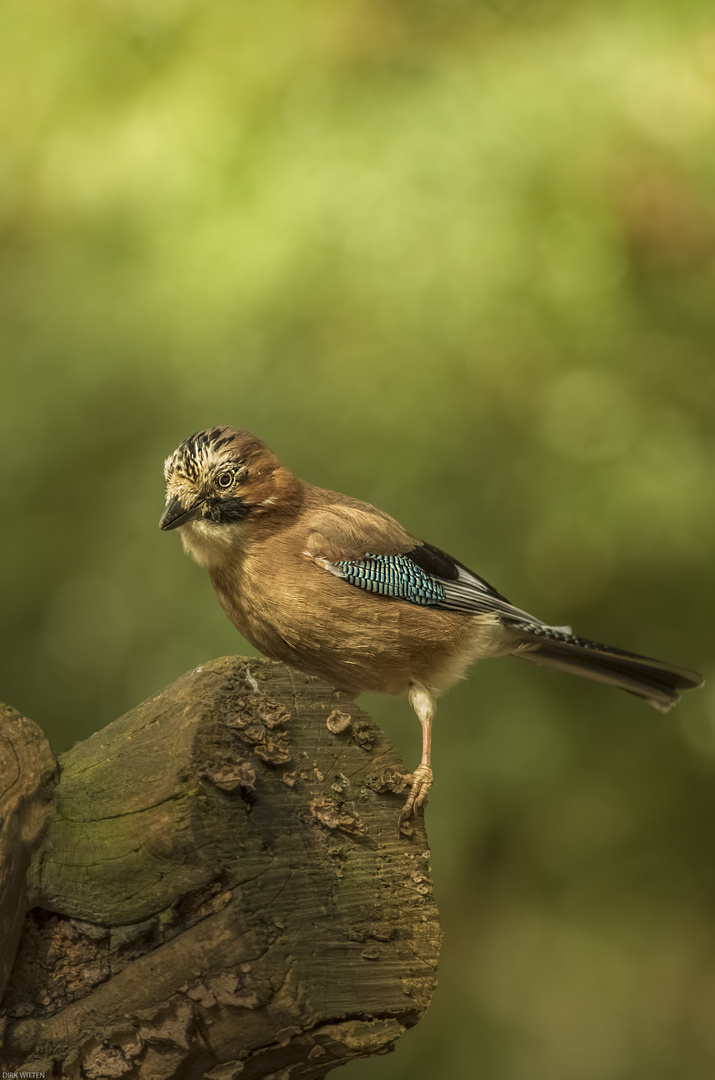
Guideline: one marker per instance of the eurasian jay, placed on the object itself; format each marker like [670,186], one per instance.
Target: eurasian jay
[336,588]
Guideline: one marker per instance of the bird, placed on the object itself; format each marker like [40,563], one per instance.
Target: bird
[334,587]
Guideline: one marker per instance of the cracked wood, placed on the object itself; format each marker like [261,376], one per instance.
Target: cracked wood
[219,890]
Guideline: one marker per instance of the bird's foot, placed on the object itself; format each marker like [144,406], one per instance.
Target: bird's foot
[420,782]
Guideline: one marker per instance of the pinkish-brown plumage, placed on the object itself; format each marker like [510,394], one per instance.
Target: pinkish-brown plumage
[291,565]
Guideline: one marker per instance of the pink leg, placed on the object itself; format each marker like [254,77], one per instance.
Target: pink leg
[421,780]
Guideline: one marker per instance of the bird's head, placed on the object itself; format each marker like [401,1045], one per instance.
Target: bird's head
[218,482]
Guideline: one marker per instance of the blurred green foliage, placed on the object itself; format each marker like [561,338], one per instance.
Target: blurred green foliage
[454,258]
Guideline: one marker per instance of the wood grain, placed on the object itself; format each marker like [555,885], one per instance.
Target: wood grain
[221,891]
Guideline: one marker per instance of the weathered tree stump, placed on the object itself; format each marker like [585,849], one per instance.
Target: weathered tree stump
[212,887]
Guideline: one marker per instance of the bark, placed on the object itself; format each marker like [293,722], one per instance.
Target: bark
[213,886]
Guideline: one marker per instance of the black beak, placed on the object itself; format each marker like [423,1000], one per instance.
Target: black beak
[176,514]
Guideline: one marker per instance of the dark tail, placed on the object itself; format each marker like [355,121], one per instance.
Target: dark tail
[657,683]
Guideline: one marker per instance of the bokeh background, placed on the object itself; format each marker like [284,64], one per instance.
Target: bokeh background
[458,259]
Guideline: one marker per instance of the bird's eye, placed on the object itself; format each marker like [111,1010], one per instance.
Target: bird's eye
[225,479]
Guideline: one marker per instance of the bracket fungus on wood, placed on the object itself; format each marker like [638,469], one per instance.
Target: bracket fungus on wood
[211,887]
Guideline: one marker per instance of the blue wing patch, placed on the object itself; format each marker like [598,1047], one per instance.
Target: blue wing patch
[428,577]
[393,575]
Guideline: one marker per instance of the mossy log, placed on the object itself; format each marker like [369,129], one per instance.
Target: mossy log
[211,887]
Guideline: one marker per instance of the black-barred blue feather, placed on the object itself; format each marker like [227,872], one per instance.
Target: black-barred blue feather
[429,577]
[393,575]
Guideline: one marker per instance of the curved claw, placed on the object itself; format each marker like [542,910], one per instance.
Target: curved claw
[420,782]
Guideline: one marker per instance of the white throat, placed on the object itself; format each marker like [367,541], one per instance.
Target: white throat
[209,544]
